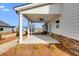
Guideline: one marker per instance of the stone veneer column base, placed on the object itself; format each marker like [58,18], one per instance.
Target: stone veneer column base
[70,44]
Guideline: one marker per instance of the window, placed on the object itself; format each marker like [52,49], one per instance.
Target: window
[57,23]
[1,29]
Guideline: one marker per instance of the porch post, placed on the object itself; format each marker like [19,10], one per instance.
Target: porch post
[28,28]
[20,28]
[31,28]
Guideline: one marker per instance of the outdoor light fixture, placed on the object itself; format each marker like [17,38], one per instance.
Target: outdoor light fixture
[41,19]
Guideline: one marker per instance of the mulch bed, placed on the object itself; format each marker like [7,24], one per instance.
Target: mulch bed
[4,40]
[3,33]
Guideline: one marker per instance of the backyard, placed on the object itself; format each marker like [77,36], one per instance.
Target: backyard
[38,50]
[53,31]
[36,46]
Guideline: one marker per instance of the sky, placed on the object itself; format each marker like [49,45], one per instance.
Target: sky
[8,14]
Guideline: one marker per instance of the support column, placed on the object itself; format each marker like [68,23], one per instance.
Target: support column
[31,28]
[20,28]
[28,29]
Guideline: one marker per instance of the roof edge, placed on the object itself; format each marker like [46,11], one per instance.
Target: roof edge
[30,6]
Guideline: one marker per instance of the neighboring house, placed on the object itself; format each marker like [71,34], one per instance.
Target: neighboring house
[6,28]
[38,30]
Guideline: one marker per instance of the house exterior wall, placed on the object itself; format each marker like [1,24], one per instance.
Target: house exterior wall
[53,28]
[55,8]
[68,31]
[69,21]
[5,29]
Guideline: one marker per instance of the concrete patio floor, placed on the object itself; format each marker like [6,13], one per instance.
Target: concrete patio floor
[39,39]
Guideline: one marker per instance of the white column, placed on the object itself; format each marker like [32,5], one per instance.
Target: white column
[31,28]
[28,29]
[20,28]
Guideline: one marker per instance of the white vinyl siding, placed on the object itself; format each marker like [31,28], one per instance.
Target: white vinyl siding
[69,21]
[55,8]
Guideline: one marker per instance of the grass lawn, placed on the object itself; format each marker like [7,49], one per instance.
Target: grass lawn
[38,50]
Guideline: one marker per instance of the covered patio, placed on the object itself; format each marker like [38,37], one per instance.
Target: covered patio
[39,39]
[37,44]
[37,13]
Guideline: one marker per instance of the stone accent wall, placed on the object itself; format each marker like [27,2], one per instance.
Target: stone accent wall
[70,44]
